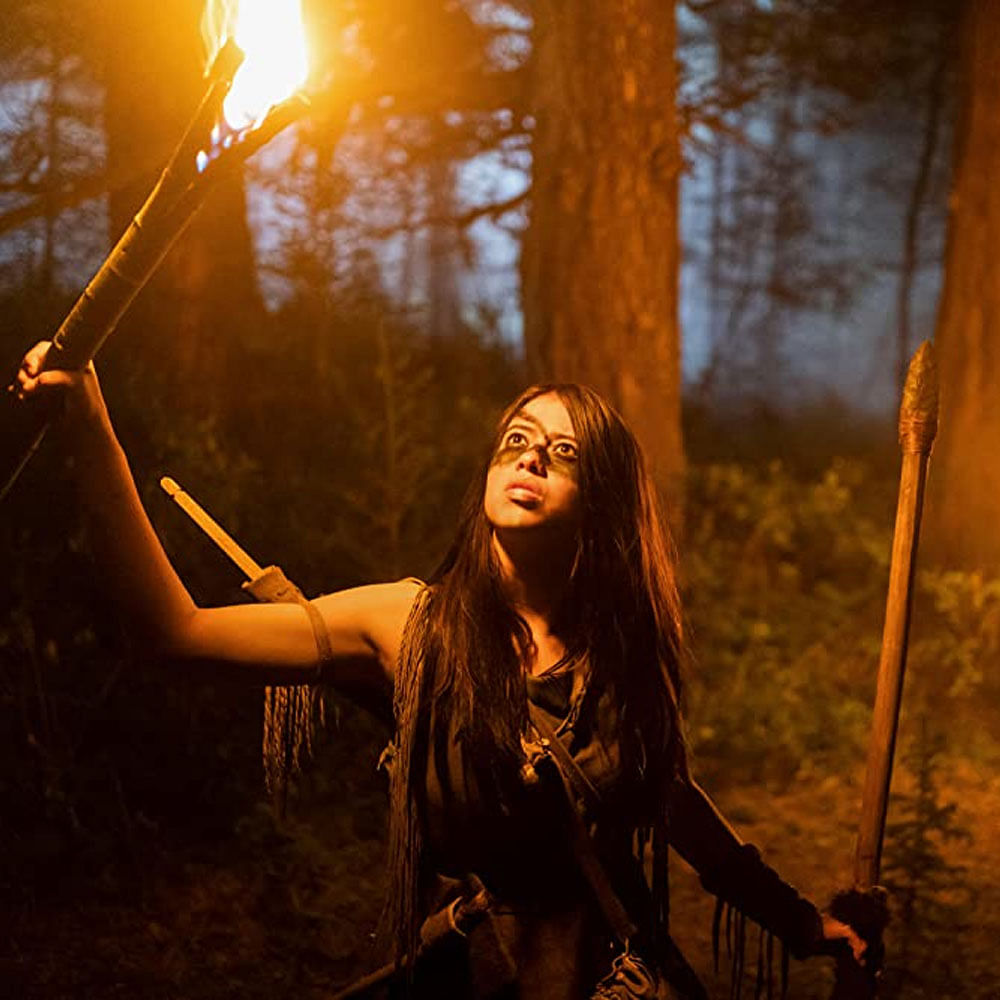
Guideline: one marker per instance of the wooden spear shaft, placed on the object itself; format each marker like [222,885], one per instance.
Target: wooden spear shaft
[918,415]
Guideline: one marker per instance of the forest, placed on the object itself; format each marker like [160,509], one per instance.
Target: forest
[736,219]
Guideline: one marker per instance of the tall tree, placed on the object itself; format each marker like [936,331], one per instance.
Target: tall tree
[600,257]
[966,479]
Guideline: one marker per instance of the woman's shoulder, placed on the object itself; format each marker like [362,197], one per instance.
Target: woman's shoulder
[381,599]
[375,615]
[389,606]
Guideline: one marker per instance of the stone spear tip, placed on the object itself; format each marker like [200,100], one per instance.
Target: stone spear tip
[918,412]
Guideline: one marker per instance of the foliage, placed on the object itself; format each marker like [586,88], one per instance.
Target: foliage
[932,897]
[782,577]
[958,636]
[371,460]
[786,581]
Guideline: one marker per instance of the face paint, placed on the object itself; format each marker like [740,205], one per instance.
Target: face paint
[536,454]
[525,433]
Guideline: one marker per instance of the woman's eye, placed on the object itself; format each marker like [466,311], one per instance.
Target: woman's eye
[565,450]
[515,439]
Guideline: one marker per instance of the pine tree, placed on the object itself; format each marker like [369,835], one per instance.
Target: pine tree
[931,895]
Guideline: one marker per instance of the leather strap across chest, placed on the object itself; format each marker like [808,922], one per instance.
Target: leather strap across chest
[579,787]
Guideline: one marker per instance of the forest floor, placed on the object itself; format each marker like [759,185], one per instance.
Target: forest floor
[209,922]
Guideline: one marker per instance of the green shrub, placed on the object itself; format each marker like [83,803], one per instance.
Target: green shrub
[781,579]
[932,898]
[785,591]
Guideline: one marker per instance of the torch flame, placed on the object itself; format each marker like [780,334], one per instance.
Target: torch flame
[273,39]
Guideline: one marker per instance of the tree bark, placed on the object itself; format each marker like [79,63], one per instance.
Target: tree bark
[965,494]
[601,255]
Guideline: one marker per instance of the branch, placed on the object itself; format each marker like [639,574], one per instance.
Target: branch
[494,210]
[75,193]
[464,91]
[23,185]
[478,92]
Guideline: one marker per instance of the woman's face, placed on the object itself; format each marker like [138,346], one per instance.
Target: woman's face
[533,476]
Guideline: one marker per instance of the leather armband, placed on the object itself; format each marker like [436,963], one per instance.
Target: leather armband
[273,587]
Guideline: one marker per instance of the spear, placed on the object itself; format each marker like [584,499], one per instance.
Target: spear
[865,905]
[918,417]
[191,173]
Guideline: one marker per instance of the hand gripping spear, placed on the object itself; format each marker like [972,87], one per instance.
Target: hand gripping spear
[865,906]
[173,202]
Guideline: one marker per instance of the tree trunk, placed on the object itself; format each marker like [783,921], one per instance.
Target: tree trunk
[204,298]
[600,258]
[965,480]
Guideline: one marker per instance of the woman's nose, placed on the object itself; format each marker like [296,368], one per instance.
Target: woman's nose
[533,459]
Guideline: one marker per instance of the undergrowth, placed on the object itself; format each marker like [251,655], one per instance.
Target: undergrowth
[785,591]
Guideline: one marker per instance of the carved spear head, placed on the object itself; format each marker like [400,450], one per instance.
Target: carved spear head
[918,412]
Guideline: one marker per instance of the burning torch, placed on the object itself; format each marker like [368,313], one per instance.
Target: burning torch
[223,132]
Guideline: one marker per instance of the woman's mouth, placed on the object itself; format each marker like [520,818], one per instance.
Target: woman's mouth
[524,493]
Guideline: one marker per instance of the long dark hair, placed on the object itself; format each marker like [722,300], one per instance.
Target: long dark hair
[621,611]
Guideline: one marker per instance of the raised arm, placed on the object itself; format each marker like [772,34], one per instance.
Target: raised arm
[268,643]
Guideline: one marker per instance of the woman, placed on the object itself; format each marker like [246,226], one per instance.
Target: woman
[559,586]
